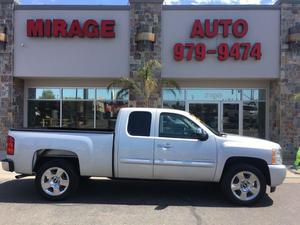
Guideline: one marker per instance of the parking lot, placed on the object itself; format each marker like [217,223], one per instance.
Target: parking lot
[102,201]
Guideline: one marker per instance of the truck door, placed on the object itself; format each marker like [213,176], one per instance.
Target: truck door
[179,154]
[136,145]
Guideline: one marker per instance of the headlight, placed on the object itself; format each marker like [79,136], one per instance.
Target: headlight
[276,156]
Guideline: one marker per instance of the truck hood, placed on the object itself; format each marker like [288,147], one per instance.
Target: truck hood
[250,142]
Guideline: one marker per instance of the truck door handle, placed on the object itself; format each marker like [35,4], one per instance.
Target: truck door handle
[165,146]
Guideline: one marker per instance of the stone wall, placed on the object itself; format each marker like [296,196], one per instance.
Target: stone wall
[6,70]
[284,108]
[11,89]
[145,16]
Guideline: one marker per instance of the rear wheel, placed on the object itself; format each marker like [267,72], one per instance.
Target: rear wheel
[243,184]
[56,179]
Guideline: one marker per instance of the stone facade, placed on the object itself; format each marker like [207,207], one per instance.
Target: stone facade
[285,109]
[145,16]
[11,89]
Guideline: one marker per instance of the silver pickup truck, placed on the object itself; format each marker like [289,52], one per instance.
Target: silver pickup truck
[147,143]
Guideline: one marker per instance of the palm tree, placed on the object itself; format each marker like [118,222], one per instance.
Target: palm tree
[144,84]
[297,96]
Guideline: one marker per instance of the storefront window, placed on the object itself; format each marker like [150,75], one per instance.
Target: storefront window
[213,94]
[254,119]
[174,99]
[79,93]
[254,94]
[78,114]
[44,93]
[43,114]
[74,107]
[108,106]
[237,111]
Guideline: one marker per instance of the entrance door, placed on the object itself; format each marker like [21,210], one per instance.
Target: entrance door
[231,121]
[206,112]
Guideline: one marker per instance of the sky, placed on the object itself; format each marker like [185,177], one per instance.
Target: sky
[168,2]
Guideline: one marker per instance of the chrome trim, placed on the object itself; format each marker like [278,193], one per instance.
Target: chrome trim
[184,163]
[136,161]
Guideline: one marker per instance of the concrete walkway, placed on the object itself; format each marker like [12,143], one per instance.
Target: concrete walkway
[292,175]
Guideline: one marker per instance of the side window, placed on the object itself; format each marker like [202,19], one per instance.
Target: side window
[176,126]
[139,123]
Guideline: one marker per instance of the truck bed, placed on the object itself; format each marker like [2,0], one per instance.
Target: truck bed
[66,130]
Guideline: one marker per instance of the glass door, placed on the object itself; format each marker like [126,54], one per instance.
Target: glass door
[231,118]
[209,113]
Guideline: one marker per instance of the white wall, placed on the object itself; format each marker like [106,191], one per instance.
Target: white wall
[71,57]
[264,27]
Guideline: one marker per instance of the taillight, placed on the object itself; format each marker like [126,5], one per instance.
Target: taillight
[10,145]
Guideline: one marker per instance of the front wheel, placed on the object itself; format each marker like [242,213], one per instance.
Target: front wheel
[243,184]
[56,179]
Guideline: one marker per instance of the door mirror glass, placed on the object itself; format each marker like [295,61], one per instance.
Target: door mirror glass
[201,134]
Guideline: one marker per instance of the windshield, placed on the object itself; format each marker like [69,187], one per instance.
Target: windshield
[216,132]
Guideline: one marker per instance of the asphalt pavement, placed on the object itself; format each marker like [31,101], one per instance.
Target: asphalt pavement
[103,201]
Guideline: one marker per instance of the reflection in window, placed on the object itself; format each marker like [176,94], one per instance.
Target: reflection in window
[106,113]
[213,94]
[176,126]
[74,107]
[78,93]
[254,119]
[43,93]
[180,105]
[254,94]
[43,114]
[78,114]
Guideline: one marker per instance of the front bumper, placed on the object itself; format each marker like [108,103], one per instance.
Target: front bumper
[277,174]
[7,165]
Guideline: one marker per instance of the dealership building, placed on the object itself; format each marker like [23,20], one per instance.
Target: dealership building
[238,66]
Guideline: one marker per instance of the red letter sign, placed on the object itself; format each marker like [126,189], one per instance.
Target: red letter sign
[35,28]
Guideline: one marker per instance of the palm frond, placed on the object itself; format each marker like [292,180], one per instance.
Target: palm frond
[122,93]
[297,96]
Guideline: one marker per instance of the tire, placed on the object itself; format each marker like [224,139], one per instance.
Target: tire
[243,184]
[56,179]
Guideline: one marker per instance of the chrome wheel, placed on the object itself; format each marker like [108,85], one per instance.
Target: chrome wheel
[55,181]
[245,185]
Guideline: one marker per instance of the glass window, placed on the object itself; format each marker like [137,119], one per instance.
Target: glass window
[106,113]
[254,119]
[78,114]
[43,114]
[79,93]
[254,94]
[139,123]
[173,95]
[104,94]
[213,94]
[176,126]
[43,93]
[174,105]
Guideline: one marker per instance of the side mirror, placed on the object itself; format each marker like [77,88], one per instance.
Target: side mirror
[201,134]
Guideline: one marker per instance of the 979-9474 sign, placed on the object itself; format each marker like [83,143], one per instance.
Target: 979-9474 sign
[199,51]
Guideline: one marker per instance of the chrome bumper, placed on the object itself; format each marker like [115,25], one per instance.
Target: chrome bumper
[277,174]
[7,165]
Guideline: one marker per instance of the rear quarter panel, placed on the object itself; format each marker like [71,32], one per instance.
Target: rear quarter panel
[94,150]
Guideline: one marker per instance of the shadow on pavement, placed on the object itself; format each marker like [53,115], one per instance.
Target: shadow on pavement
[125,192]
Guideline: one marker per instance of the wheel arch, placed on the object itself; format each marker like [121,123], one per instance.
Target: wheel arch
[43,155]
[260,164]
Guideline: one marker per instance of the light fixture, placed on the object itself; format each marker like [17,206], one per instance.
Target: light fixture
[3,37]
[145,38]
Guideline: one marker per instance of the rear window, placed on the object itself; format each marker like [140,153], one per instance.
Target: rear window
[139,124]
